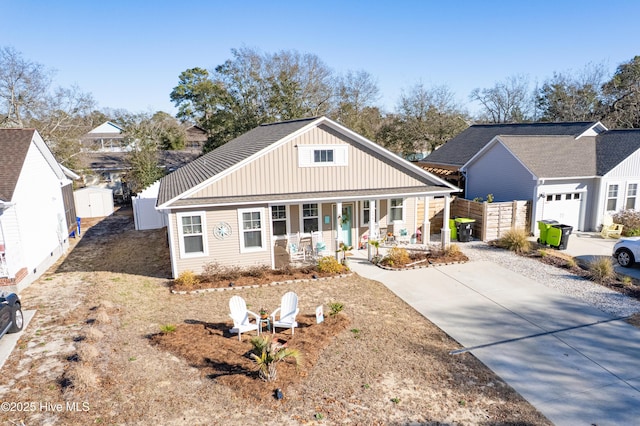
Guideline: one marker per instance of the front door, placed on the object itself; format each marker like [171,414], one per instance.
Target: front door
[346,220]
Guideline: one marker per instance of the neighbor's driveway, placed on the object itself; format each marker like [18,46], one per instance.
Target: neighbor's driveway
[574,363]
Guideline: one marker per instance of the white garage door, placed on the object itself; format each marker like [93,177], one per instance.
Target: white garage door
[565,208]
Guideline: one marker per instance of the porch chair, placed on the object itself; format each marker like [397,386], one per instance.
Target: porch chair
[318,244]
[288,311]
[610,229]
[240,315]
[295,249]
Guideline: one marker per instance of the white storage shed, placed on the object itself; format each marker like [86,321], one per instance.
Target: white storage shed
[93,201]
[144,209]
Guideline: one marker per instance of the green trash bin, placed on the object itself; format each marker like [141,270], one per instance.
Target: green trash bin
[452,228]
[558,236]
[543,226]
[463,228]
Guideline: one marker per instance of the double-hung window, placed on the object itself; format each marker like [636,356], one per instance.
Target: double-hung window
[279,220]
[612,198]
[632,193]
[310,217]
[252,231]
[192,234]
[366,212]
[395,210]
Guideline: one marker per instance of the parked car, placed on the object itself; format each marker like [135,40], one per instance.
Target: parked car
[627,251]
[11,319]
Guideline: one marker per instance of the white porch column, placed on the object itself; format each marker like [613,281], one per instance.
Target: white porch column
[426,225]
[446,232]
[373,230]
[338,223]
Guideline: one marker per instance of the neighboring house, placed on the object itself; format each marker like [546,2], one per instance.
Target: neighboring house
[37,212]
[196,138]
[446,161]
[238,203]
[107,137]
[575,179]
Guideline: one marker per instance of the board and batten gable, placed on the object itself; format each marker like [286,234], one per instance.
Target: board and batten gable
[278,170]
[500,173]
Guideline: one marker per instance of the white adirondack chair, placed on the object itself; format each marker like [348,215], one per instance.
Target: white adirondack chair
[295,249]
[288,310]
[240,315]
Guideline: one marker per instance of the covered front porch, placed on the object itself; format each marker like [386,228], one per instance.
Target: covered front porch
[303,231]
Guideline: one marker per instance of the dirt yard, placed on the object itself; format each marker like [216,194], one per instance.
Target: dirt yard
[94,352]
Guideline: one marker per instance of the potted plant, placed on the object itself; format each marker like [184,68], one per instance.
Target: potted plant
[264,314]
[344,249]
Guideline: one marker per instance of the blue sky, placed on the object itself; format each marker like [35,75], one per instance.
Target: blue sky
[129,54]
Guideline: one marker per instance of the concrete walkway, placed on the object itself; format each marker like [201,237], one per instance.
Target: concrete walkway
[574,363]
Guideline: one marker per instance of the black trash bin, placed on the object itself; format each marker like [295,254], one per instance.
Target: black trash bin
[463,228]
[558,236]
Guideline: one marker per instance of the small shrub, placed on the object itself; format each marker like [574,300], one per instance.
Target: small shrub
[267,353]
[82,376]
[626,280]
[335,308]
[571,263]
[167,328]
[258,271]
[213,271]
[516,240]
[330,265]
[631,221]
[601,269]
[93,334]
[397,256]
[285,270]
[102,317]
[489,198]
[88,352]
[187,279]
[543,253]
[395,400]
[452,250]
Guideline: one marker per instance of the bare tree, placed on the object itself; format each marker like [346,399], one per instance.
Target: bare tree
[23,85]
[506,102]
[622,96]
[356,95]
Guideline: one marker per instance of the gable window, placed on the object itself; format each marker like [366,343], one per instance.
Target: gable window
[632,193]
[612,198]
[323,156]
[191,233]
[395,210]
[252,233]
[279,220]
[310,217]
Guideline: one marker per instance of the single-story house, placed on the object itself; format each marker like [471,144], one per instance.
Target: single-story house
[236,204]
[37,211]
[446,161]
[573,179]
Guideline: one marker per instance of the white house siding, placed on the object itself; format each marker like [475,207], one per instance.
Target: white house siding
[224,252]
[40,211]
[563,210]
[499,173]
[11,237]
[278,171]
[627,172]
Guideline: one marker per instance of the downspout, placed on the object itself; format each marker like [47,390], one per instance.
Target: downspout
[535,203]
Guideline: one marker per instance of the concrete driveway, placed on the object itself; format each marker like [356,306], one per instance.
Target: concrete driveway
[8,341]
[574,363]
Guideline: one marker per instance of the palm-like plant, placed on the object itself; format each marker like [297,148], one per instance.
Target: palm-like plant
[376,244]
[267,353]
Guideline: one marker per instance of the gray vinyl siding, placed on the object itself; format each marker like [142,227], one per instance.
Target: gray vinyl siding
[499,173]
[277,171]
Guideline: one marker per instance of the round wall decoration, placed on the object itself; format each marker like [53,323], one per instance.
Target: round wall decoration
[222,230]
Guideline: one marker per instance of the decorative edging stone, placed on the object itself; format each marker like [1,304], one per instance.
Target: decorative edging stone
[428,265]
[272,284]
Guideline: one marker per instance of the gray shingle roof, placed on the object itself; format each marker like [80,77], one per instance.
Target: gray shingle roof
[14,144]
[226,156]
[555,156]
[463,147]
[614,146]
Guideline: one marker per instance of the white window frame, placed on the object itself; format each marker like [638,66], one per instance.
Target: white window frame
[631,196]
[404,210]
[609,197]
[181,234]
[303,217]
[363,222]
[286,221]
[306,155]
[263,233]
